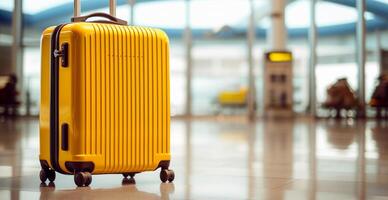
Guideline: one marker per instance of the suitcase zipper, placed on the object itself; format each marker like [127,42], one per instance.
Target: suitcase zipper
[54,83]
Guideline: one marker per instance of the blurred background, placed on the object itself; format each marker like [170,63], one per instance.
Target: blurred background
[211,52]
[230,60]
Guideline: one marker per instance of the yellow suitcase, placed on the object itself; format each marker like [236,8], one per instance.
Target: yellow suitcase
[105,100]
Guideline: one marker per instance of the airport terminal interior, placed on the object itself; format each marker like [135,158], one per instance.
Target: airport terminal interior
[269,99]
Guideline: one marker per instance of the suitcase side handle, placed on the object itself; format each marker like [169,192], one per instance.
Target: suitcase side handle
[99,14]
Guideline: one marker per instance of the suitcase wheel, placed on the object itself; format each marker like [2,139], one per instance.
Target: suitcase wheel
[47,174]
[82,179]
[128,181]
[167,175]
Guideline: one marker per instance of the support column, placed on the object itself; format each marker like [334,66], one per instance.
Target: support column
[277,33]
[17,68]
[251,78]
[17,48]
[378,51]
[361,56]
[132,11]
[189,63]
[313,58]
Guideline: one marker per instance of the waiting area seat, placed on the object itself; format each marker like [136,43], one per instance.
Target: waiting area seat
[233,98]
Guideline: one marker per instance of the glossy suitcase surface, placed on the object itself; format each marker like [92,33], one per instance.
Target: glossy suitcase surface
[105,104]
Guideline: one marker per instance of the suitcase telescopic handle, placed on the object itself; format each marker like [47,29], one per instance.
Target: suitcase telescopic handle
[112,10]
[99,14]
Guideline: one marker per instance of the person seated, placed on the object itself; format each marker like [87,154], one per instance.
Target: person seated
[380,94]
[8,95]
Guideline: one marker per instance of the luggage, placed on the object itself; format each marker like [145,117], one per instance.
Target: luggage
[105,100]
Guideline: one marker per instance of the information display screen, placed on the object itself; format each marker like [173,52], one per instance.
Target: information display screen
[277,56]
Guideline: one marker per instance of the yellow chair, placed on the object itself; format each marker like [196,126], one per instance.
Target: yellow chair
[233,98]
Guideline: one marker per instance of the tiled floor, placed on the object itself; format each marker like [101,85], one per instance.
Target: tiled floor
[225,159]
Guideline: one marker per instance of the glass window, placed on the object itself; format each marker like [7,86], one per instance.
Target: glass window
[298,14]
[218,13]
[164,14]
[220,68]
[220,54]
[36,6]
[6,5]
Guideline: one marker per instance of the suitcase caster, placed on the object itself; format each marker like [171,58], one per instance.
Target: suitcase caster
[82,179]
[47,174]
[129,174]
[167,175]
[129,181]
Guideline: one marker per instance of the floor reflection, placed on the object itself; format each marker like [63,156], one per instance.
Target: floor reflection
[379,143]
[225,159]
[278,154]
[341,133]
[125,192]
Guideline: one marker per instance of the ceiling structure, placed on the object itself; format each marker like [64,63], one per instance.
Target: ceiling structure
[59,13]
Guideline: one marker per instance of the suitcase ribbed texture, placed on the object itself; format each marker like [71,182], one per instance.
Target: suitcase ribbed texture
[126,102]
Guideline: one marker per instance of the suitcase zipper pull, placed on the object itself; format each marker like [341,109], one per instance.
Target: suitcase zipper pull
[57,53]
[62,53]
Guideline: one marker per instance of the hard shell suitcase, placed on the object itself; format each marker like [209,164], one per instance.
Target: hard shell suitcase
[105,105]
